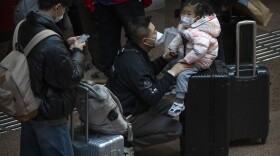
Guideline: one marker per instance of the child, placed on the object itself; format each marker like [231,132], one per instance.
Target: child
[200,27]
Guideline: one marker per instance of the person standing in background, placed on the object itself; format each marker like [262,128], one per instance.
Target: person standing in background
[112,16]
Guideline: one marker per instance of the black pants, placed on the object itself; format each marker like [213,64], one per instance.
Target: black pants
[110,20]
[155,126]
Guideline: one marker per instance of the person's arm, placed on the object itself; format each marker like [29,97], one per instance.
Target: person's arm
[201,43]
[136,74]
[158,64]
[67,70]
[175,43]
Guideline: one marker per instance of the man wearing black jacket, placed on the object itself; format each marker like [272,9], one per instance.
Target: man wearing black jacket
[135,83]
[54,72]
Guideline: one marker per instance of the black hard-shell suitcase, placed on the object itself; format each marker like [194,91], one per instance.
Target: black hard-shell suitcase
[248,91]
[205,119]
[228,21]
[85,144]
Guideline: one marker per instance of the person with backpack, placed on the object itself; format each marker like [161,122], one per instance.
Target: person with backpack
[54,72]
[140,92]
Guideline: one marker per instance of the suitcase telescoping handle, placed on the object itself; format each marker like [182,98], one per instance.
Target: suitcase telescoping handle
[77,144]
[239,24]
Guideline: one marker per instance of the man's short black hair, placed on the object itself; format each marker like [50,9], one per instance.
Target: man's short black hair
[47,4]
[138,28]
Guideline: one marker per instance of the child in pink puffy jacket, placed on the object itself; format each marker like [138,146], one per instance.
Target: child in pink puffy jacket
[200,27]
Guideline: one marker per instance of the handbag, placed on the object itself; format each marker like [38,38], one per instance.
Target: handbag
[256,10]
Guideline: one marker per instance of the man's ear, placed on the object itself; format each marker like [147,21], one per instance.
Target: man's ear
[56,7]
[143,40]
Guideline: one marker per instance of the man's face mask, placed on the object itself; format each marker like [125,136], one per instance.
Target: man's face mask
[187,21]
[157,41]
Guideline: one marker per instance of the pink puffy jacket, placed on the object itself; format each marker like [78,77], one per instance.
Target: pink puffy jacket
[202,46]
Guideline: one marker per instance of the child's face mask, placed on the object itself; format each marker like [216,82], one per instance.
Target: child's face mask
[187,21]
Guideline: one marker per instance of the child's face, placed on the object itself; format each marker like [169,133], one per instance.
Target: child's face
[188,11]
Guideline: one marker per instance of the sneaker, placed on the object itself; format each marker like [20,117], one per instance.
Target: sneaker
[176,109]
[128,151]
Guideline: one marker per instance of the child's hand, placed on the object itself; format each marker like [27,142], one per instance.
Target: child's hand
[182,61]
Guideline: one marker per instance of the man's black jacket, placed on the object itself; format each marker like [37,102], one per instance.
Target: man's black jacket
[54,72]
[134,79]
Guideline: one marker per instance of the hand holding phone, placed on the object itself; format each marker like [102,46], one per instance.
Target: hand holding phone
[80,40]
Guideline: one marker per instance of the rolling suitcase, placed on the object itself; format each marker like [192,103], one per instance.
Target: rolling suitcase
[248,91]
[228,22]
[85,144]
[205,120]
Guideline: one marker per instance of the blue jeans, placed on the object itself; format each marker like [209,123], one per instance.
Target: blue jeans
[45,139]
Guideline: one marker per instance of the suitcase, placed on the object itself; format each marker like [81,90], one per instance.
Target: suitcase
[85,144]
[228,22]
[248,91]
[206,120]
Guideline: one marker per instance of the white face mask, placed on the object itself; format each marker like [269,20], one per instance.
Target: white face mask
[158,40]
[57,19]
[187,21]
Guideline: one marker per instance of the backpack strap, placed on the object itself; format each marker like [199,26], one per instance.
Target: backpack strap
[38,38]
[15,36]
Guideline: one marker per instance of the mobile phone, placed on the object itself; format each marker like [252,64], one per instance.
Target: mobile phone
[82,39]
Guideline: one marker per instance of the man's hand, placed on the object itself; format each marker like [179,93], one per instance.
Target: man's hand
[169,56]
[179,67]
[72,40]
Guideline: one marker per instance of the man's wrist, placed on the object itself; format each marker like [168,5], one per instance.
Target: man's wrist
[172,73]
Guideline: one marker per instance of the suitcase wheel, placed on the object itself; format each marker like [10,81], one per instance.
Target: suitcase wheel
[263,140]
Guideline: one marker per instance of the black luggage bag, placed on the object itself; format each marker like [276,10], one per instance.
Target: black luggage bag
[228,22]
[248,90]
[206,120]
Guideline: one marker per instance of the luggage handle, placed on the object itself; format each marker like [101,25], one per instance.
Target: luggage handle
[79,144]
[239,24]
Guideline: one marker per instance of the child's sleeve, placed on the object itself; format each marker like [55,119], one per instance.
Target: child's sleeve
[200,46]
[175,43]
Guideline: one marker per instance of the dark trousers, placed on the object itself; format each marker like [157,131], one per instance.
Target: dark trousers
[110,20]
[155,126]
[40,138]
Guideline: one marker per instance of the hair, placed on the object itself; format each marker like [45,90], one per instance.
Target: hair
[201,7]
[47,4]
[138,28]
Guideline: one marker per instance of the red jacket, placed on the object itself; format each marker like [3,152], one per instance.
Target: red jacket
[90,3]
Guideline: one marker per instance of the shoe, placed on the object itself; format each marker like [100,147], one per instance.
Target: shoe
[128,151]
[176,109]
